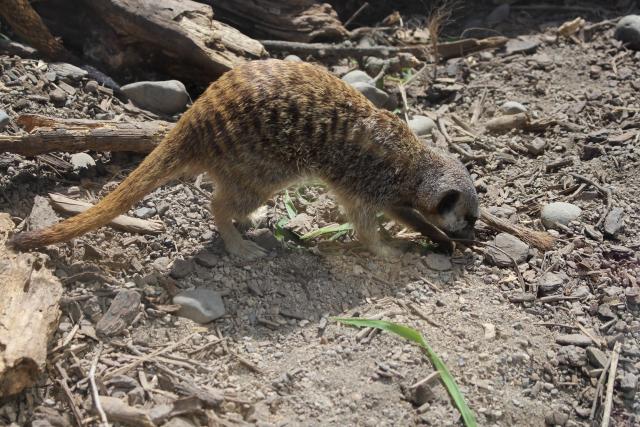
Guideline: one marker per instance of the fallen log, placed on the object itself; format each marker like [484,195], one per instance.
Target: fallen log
[48,134]
[300,20]
[421,51]
[29,314]
[184,31]
[69,206]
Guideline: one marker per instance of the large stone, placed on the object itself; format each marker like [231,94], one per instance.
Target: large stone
[67,71]
[168,97]
[357,76]
[421,125]
[559,213]
[200,305]
[628,31]
[516,248]
[551,282]
[42,214]
[376,96]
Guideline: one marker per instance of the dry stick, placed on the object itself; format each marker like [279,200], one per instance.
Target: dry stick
[478,108]
[603,375]
[608,402]
[67,392]
[405,107]
[539,239]
[584,330]
[356,13]
[606,191]
[94,387]
[428,379]
[126,368]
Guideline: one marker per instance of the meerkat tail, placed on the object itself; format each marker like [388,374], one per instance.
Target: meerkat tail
[159,167]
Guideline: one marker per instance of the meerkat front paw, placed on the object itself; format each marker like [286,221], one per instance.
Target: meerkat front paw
[246,249]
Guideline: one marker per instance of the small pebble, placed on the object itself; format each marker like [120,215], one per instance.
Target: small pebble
[82,161]
[438,262]
[628,31]
[58,96]
[421,125]
[4,120]
[357,76]
[512,107]
[91,86]
[516,248]
[168,97]
[574,339]
[559,213]
[144,212]
[293,58]
[200,305]
[613,222]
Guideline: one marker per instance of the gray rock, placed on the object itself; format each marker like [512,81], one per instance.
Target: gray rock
[374,65]
[522,44]
[200,305]
[559,213]
[551,282]
[4,120]
[628,31]
[265,238]
[614,222]
[572,355]
[91,86]
[515,247]
[207,259]
[421,125]
[556,418]
[144,212]
[58,96]
[438,262]
[82,161]
[581,292]
[168,97]
[605,311]
[42,214]
[161,264]
[376,96]
[513,107]
[574,339]
[67,71]
[597,358]
[357,76]
[536,147]
[629,382]
[181,268]
[162,207]
[293,58]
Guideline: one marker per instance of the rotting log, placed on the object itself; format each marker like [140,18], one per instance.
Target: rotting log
[48,134]
[293,20]
[29,314]
[184,31]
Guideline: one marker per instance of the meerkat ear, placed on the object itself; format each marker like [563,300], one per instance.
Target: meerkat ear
[448,201]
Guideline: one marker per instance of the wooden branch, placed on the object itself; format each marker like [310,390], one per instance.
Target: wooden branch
[29,314]
[27,24]
[72,135]
[69,206]
[539,239]
[195,45]
[300,20]
[445,50]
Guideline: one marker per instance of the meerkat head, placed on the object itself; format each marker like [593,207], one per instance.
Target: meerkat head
[447,198]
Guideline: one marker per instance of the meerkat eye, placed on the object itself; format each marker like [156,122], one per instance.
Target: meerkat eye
[448,202]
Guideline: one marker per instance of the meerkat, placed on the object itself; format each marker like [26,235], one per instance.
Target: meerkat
[264,125]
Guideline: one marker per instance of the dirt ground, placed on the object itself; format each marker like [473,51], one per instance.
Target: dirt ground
[276,357]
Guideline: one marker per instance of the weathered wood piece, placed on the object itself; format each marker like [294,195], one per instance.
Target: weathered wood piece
[198,47]
[49,134]
[297,20]
[122,222]
[122,311]
[327,50]
[27,24]
[29,314]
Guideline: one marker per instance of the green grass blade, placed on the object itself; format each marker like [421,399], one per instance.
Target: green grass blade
[334,228]
[415,336]
[289,206]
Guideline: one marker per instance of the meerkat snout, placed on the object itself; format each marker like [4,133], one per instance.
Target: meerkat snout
[450,202]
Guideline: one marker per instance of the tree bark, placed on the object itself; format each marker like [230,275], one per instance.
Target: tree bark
[29,314]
